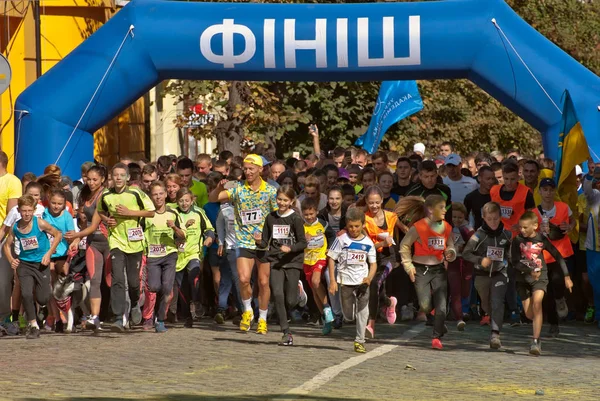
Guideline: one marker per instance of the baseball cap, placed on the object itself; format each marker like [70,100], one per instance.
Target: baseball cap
[265,161]
[453,159]
[547,182]
[419,147]
[254,159]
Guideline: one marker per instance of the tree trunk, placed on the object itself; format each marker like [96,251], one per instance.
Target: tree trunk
[229,132]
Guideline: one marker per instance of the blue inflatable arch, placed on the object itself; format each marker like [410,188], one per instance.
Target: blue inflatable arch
[297,42]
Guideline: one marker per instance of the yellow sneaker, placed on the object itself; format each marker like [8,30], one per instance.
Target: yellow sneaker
[360,348]
[246,322]
[262,327]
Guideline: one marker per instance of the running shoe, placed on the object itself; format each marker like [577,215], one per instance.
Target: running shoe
[302,297]
[495,341]
[515,319]
[535,348]
[148,324]
[327,328]
[421,317]
[360,348]
[189,323]
[136,315]
[314,320]
[561,308]
[119,325]
[460,326]
[338,322]
[485,321]
[287,339]
[369,332]
[159,327]
[554,331]
[262,327]
[328,315]
[22,322]
[246,322]
[9,329]
[407,313]
[219,318]
[390,313]
[436,343]
[32,333]
[589,315]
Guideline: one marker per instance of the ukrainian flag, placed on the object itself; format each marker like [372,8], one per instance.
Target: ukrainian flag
[572,150]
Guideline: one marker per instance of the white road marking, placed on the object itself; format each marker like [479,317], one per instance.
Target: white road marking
[328,374]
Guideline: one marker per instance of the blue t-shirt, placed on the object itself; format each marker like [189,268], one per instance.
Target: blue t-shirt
[62,223]
[212,211]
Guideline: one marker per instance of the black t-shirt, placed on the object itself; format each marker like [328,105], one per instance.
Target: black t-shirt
[439,189]
[401,190]
[474,202]
[526,254]
[508,195]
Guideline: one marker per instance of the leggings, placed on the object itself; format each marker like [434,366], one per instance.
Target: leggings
[460,279]
[97,256]
[377,289]
[284,290]
[35,279]
[160,277]
[125,281]
[187,283]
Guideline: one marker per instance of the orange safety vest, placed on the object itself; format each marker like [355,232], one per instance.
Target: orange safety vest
[564,244]
[512,210]
[374,231]
[431,243]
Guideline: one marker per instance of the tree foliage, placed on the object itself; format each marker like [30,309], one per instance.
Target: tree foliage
[278,113]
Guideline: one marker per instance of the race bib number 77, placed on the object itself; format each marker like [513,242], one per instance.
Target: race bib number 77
[251,216]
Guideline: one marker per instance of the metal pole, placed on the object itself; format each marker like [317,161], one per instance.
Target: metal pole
[38,38]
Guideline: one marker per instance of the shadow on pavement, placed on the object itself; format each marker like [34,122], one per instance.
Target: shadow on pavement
[189,397]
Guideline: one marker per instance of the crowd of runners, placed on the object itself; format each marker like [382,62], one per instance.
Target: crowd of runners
[336,238]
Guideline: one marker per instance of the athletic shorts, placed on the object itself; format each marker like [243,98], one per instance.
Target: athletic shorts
[213,258]
[526,289]
[252,254]
[310,269]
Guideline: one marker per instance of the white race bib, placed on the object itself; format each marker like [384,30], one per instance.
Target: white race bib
[506,212]
[356,257]
[316,242]
[495,253]
[456,237]
[135,234]
[281,231]
[83,244]
[437,243]
[181,247]
[157,250]
[251,216]
[30,243]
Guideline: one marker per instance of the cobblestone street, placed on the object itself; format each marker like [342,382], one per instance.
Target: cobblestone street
[217,362]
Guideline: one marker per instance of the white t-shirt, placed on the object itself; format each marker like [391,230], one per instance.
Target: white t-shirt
[461,188]
[352,258]
[552,212]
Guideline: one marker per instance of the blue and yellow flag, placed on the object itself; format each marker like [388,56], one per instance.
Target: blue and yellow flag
[572,150]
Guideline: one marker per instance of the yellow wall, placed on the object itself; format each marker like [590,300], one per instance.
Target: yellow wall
[64,25]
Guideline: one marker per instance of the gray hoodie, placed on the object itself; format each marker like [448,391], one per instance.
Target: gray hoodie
[494,244]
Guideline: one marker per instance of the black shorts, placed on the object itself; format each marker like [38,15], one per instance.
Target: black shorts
[252,254]
[212,257]
[526,289]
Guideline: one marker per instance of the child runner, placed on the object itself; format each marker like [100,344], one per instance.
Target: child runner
[196,225]
[557,221]
[283,235]
[488,250]
[212,211]
[354,254]
[160,232]
[318,235]
[334,214]
[121,209]
[532,277]
[433,246]
[460,272]
[380,225]
[56,215]
[33,262]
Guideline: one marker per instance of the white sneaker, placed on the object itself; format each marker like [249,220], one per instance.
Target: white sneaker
[302,298]
[561,308]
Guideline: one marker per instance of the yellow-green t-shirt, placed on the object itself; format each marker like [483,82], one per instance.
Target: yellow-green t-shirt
[128,235]
[160,239]
[191,248]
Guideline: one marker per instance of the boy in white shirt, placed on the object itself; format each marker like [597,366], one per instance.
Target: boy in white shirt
[356,260]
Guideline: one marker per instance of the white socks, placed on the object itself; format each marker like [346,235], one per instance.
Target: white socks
[262,314]
[247,304]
